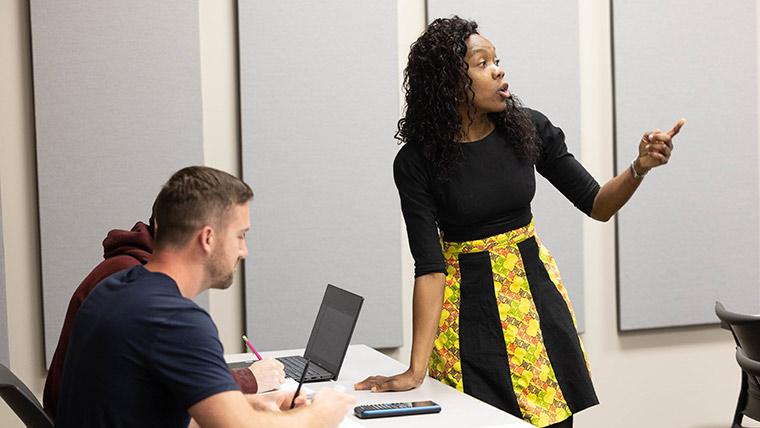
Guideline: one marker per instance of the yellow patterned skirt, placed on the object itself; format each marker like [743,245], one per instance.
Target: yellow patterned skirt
[507,333]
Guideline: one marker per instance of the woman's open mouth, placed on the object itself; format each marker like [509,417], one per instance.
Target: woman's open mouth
[504,90]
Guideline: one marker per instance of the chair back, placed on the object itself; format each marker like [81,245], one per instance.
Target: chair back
[746,330]
[21,400]
[750,366]
[752,369]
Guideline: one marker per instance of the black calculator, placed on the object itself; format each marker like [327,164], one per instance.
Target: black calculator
[396,409]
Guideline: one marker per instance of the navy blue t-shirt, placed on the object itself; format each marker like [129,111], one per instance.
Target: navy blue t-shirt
[140,355]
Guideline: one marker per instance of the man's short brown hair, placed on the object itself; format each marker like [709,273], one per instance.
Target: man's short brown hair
[192,198]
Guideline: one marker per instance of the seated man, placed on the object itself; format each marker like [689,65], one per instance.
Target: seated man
[142,353]
[123,249]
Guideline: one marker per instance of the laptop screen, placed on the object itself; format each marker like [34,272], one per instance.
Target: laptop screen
[333,328]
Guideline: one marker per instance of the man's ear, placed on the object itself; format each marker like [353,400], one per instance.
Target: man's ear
[207,238]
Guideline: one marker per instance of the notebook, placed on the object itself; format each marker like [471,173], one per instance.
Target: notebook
[329,337]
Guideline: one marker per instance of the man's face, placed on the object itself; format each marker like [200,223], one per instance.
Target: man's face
[230,247]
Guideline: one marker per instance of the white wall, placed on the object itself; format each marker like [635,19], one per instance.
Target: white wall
[18,181]
[683,377]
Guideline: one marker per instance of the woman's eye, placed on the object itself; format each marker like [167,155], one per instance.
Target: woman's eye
[482,64]
[497,61]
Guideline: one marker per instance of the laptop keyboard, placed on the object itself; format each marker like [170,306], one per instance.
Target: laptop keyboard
[294,367]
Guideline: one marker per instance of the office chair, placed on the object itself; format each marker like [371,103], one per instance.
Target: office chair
[21,400]
[746,331]
[752,369]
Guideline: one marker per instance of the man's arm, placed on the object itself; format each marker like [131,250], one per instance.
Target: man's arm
[233,409]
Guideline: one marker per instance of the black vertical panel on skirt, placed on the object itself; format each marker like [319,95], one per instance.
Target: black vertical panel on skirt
[485,370]
[560,337]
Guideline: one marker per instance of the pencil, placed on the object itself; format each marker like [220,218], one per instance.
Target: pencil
[248,342]
[300,382]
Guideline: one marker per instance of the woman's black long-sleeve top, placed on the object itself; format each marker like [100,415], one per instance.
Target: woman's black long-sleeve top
[489,194]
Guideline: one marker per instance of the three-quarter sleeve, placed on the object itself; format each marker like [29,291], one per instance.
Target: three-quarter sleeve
[418,207]
[561,168]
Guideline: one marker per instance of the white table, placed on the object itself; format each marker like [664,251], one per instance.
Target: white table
[458,410]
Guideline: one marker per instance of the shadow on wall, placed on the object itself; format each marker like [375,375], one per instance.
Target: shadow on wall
[674,337]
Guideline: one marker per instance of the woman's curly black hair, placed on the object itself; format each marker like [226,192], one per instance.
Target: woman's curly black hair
[434,78]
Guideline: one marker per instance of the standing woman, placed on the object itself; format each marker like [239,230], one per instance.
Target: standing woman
[506,331]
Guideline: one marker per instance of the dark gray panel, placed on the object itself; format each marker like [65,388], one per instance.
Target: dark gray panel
[690,235]
[4,344]
[117,111]
[319,105]
[537,43]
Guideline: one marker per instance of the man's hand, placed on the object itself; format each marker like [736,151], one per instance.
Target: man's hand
[331,405]
[233,409]
[269,374]
[275,401]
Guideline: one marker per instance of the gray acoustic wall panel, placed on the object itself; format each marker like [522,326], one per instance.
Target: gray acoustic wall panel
[117,109]
[4,345]
[319,105]
[537,43]
[689,236]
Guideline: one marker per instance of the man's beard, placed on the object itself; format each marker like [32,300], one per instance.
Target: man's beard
[219,279]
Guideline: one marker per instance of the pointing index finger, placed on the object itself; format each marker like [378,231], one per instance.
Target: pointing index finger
[673,132]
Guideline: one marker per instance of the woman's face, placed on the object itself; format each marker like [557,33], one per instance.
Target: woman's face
[487,77]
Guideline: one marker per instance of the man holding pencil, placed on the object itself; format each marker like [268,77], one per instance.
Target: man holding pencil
[123,249]
[143,354]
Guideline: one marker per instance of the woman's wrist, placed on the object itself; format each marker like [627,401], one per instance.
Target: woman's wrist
[419,362]
[637,170]
[418,373]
